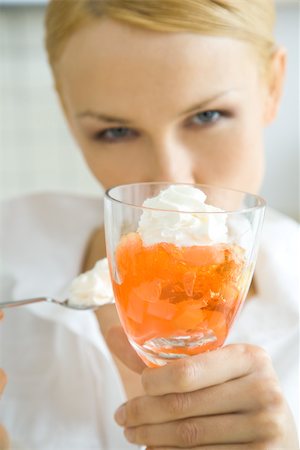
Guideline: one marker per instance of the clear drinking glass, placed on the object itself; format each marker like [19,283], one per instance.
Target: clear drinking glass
[177,298]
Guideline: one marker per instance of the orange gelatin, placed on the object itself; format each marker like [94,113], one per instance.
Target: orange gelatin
[167,291]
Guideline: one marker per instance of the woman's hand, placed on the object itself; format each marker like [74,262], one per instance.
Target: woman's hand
[225,399]
[4,440]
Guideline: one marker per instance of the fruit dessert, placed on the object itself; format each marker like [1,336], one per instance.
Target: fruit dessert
[180,280]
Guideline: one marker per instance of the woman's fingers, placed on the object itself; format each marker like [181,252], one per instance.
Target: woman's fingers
[4,439]
[3,381]
[119,345]
[214,447]
[244,394]
[204,370]
[227,397]
[192,432]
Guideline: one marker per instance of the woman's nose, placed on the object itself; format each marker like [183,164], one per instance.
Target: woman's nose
[173,163]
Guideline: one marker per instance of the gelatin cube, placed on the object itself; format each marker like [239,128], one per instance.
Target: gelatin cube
[189,279]
[230,294]
[129,246]
[152,327]
[197,304]
[189,319]
[155,262]
[215,319]
[204,255]
[162,309]
[136,309]
[149,291]
[130,242]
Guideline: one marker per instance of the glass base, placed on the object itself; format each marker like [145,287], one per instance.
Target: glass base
[160,351]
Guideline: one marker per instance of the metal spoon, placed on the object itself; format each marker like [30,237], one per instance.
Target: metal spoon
[66,303]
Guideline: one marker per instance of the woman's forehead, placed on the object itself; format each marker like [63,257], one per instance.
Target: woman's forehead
[120,60]
[110,39]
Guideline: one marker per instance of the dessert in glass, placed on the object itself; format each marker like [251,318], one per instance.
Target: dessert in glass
[181,260]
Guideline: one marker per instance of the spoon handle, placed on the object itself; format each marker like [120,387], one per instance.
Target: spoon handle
[13,303]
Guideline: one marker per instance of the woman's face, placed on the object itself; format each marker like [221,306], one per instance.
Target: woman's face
[150,106]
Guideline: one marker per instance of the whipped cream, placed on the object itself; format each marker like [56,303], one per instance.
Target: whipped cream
[92,287]
[169,221]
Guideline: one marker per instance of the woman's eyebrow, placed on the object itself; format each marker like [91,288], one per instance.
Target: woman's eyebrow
[114,119]
[103,117]
[204,103]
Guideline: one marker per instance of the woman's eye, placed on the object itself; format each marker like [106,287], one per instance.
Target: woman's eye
[114,134]
[206,117]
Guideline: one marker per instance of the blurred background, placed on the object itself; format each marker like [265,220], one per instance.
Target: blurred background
[36,150]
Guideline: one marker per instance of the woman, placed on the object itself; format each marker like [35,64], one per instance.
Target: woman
[4,440]
[168,91]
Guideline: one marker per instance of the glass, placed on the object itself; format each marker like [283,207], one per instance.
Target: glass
[179,299]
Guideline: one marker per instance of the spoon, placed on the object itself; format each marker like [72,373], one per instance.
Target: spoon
[66,303]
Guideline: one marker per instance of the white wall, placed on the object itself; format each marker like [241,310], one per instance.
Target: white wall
[36,151]
[281,187]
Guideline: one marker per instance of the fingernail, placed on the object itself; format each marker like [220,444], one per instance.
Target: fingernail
[120,415]
[130,434]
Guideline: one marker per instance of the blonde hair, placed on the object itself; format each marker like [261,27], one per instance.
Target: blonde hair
[251,21]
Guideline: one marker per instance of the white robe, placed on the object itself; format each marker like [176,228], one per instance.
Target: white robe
[63,387]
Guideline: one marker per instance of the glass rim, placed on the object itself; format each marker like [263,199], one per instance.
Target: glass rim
[261,203]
